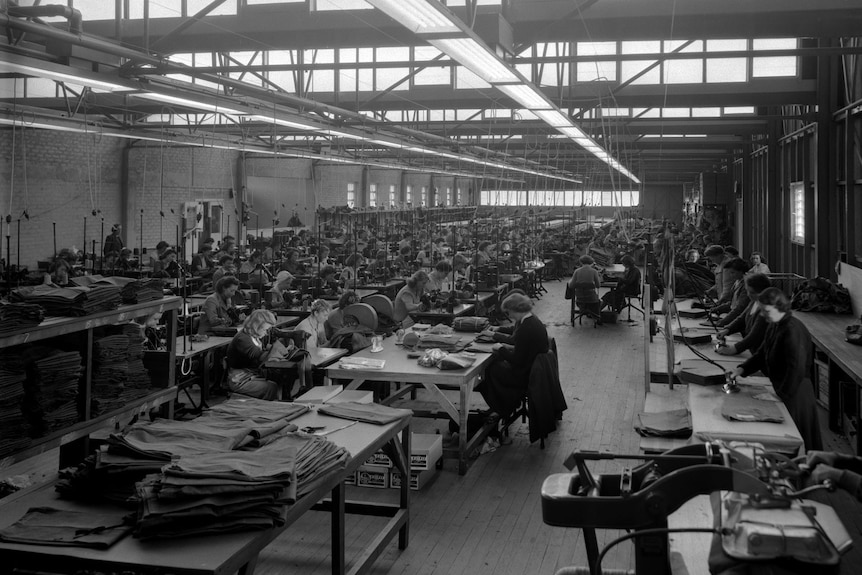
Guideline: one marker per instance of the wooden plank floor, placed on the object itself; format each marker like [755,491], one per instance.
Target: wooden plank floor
[490,520]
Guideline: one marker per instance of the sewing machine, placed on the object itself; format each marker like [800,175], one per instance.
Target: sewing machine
[762,517]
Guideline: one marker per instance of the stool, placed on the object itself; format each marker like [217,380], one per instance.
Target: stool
[630,306]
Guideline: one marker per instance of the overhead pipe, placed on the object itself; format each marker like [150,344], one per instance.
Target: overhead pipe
[76,21]
[94,43]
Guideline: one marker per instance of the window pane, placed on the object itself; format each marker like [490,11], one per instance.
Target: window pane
[726,70]
[772,67]
[465,79]
[604,70]
[641,47]
[597,48]
[433,76]
[726,45]
[631,68]
[386,77]
[683,71]
[322,81]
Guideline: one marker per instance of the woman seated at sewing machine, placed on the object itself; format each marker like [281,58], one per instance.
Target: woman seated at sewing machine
[249,350]
[628,285]
[440,279]
[218,308]
[275,295]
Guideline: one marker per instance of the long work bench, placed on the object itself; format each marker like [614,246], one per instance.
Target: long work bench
[838,371]
[236,552]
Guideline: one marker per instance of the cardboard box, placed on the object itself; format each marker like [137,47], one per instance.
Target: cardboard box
[379,459]
[418,479]
[425,450]
[319,394]
[354,395]
[376,477]
[350,479]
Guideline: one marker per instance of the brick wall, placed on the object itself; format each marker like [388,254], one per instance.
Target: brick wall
[58,177]
[69,175]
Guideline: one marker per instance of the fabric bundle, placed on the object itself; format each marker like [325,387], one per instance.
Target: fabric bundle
[119,375]
[72,301]
[365,412]
[441,341]
[673,423]
[472,324]
[141,291]
[14,431]
[51,389]
[16,317]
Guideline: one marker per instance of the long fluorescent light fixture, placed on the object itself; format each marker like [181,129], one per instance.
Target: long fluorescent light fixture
[197,104]
[15,64]
[471,52]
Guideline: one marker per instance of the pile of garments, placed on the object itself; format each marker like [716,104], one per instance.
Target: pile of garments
[72,301]
[17,317]
[51,388]
[234,468]
[119,375]
[14,432]
[141,291]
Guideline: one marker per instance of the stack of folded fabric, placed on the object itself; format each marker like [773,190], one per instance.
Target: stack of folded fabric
[137,376]
[15,317]
[51,389]
[14,434]
[55,301]
[673,423]
[101,298]
[119,375]
[442,341]
[602,257]
[141,291]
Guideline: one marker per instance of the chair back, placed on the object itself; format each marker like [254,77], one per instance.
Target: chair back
[364,313]
[381,304]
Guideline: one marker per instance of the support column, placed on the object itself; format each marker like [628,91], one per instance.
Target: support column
[825,206]
[775,206]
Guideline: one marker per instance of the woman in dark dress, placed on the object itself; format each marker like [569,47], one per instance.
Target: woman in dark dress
[628,285]
[786,357]
[750,323]
[507,376]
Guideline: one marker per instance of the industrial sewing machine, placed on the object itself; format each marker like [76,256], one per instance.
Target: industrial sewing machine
[763,517]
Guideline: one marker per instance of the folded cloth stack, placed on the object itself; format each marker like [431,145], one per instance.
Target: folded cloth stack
[15,317]
[364,412]
[472,324]
[440,341]
[95,529]
[119,375]
[674,423]
[14,432]
[73,301]
[141,291]
[51,388]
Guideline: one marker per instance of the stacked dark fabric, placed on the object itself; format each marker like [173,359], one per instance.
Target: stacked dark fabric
[233,469]
[141,291]
[51,388]
[14,433]
[74,301]
[602,257]
[119,375]
[15,317]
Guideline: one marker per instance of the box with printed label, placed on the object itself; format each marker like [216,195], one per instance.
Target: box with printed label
[377,477]
[418,479]
[425,450]
[379,459]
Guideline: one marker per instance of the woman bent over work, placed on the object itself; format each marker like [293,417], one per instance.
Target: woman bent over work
[249,350]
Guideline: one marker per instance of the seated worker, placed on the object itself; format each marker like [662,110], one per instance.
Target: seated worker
[508,374]
[692,256]
[202,265]
[253,266]
[335,321]
[328,283]
[718,258]
[758,266]
[738,300]
[249,350]
[750,323]
[377,266]
[155,261]
[218,308]
[402,261]
[348,274]
[315,324]
[484,254]
[462,270]
[441,278]
[844,470]
[504,333]
[227,267]
[426,256]
[291,263]
[585,284]
[280,285]
[323,256]
[150,328]
[629,285]
[409,298]
[168,265]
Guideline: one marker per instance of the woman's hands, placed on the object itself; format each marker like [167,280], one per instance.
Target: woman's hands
[726,349]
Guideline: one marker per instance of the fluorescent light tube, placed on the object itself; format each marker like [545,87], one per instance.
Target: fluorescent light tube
[71,77]
[188,103]
[477,58]
[418,16]
[527,96]
[554,118]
